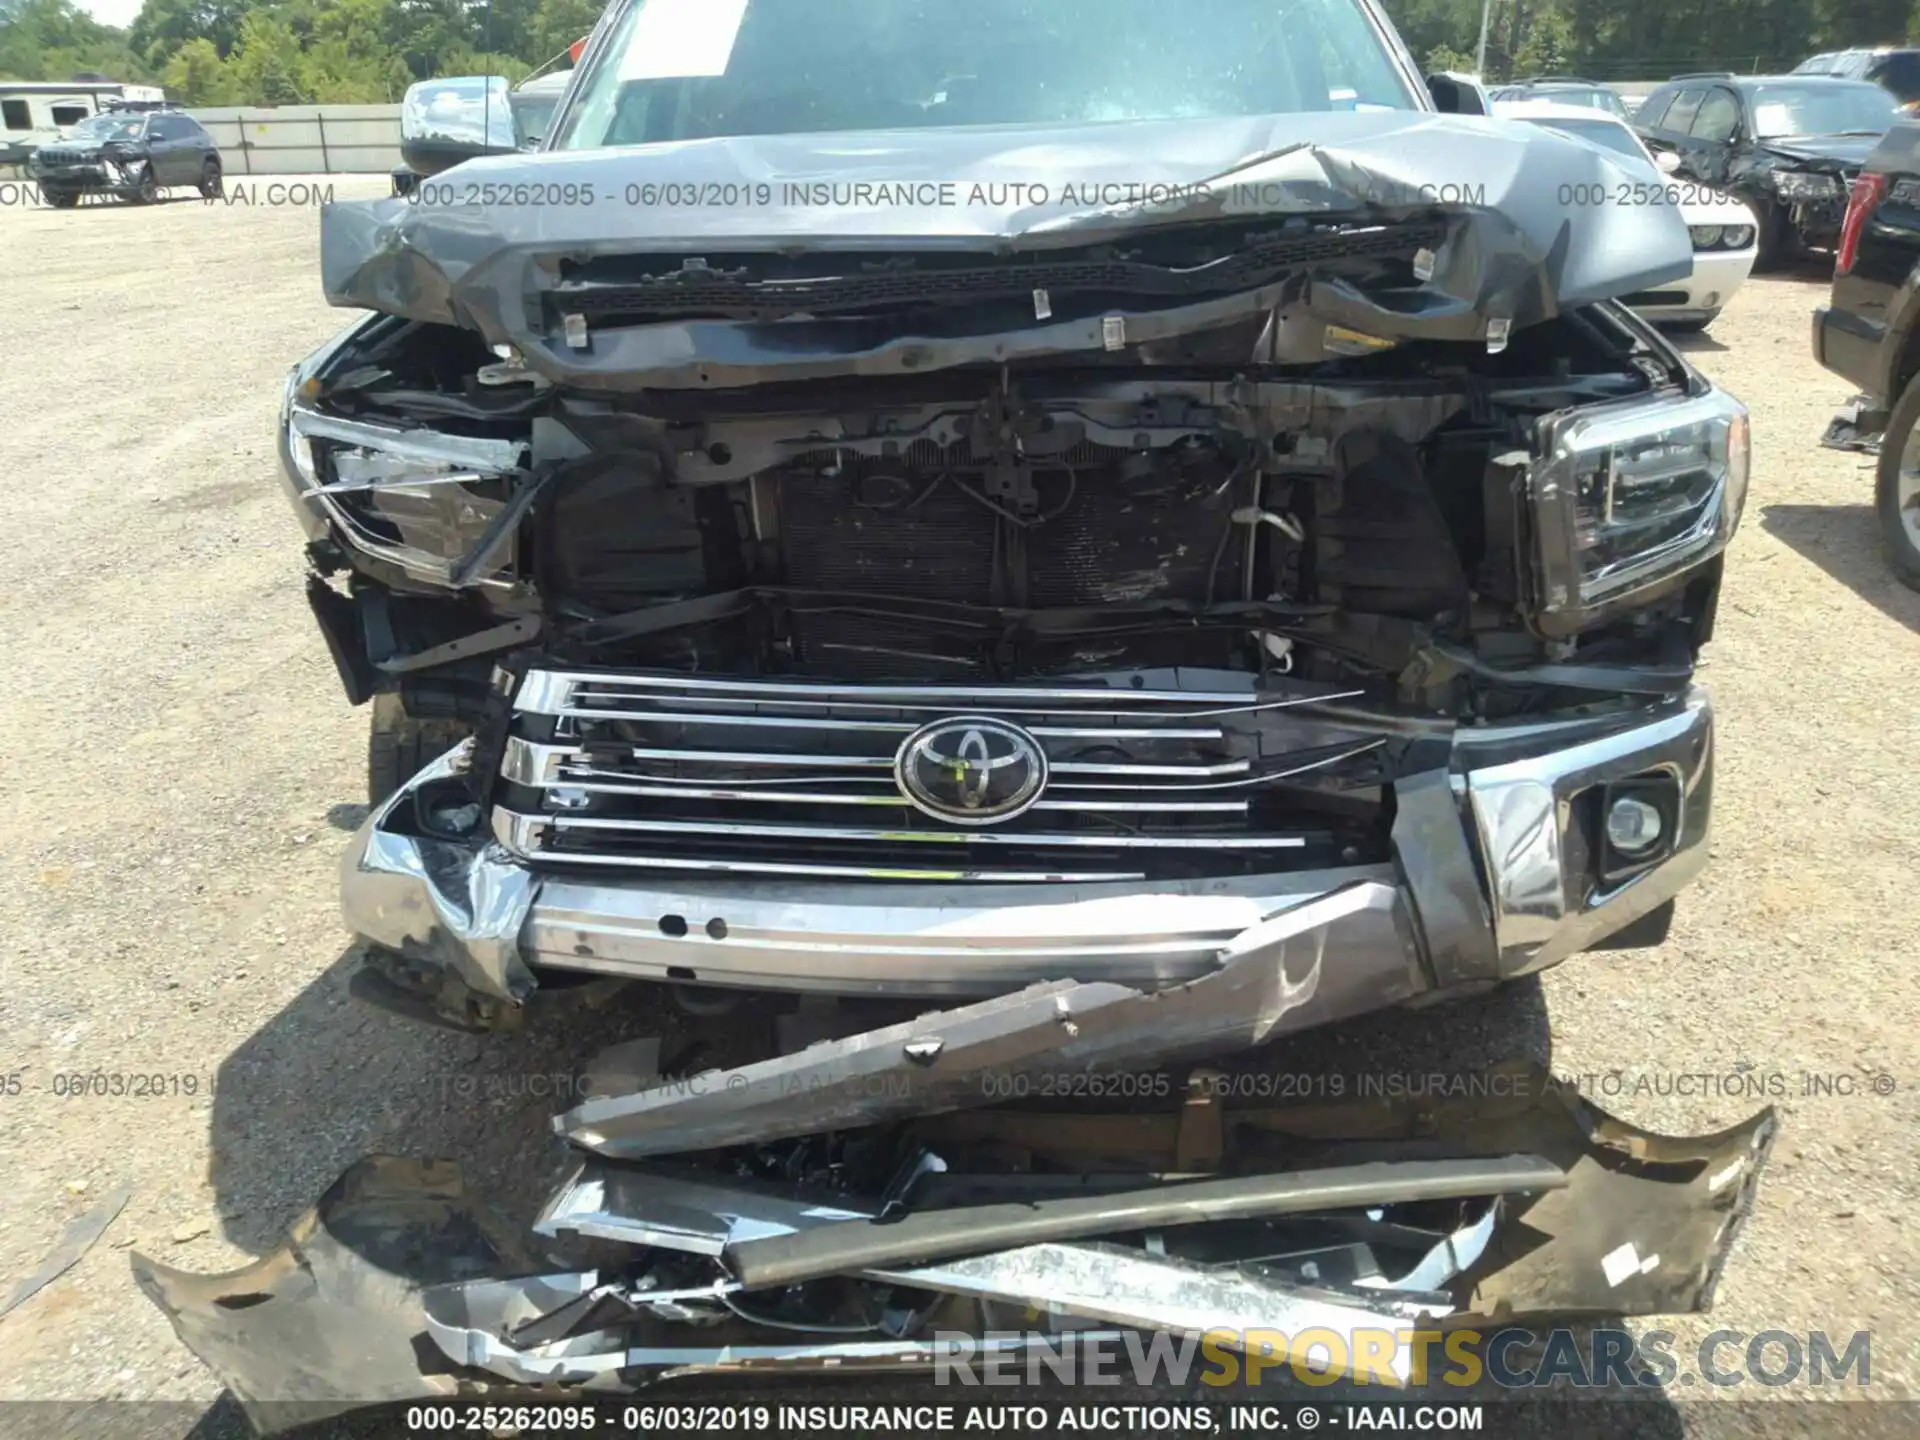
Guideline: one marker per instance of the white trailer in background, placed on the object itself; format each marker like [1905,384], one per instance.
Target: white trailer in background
[32,112]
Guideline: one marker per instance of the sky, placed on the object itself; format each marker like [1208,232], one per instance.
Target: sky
[111,12]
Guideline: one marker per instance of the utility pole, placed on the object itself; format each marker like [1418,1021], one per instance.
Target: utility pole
[1480,55]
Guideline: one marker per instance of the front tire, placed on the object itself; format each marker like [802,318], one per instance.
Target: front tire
[212,182]
[1896,491]
[61,199]
[147,192]
[1690,327]
[400,744]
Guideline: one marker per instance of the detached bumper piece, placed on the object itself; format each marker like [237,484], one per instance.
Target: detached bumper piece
[916,1244]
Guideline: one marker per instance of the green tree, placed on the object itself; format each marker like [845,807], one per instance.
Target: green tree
[266,62]
[556,24]
[54,40]
[1547,46]
[196,75]
[1445,57]
[164,26]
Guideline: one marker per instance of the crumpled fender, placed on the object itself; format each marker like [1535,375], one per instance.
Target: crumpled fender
[329,1321]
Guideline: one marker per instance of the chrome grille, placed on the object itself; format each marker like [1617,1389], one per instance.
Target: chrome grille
[693,773]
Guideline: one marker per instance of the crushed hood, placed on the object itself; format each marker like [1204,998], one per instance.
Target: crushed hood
[1825,152]
[480,245]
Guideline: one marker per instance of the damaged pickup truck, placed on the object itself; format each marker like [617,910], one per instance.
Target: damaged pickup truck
[1124,517]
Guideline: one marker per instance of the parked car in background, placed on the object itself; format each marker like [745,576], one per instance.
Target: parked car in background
[1894,69]
[1723,229]
[133,154]
[1869,333]
[37,112]
[1788,145]
[1564,90]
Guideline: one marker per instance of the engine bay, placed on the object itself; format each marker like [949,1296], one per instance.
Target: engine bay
[1358,519]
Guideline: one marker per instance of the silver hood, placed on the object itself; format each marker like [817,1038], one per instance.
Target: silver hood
[480,245]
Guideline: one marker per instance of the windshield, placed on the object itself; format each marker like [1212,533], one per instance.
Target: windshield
[1826,109]
[693,69]
[110,127]
[1603,133]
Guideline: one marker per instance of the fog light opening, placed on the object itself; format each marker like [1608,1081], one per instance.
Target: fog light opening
[1634,827]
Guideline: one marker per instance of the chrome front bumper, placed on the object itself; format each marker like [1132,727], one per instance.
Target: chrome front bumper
[1493,877]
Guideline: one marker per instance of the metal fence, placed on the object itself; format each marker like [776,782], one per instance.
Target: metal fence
[305,139]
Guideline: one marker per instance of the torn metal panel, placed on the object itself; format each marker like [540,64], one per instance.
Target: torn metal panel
[326,1323]
[679,1211]
[1450,1255]
[1644,1226]
[858,1246]
[944,1061]
[456,908]
[1150,1292]
[1511,254]
[1677,1200]
[395,1263]
[465,1322]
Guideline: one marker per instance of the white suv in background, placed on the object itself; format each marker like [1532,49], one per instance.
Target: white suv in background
[1725,233]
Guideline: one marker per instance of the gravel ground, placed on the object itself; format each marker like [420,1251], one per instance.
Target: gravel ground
[182,773]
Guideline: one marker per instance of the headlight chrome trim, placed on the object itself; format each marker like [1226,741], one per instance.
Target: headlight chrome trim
[444,460]
[1580,500]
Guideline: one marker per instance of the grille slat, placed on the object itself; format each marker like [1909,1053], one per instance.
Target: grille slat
[797,778]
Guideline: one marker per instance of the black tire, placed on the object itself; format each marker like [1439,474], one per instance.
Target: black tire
[399,745]
[1779,242]
[148,190]
[1899,533]
[212,182]
[1688,327]
[61,199]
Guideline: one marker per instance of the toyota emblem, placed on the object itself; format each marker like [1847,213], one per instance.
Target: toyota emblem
[970,770]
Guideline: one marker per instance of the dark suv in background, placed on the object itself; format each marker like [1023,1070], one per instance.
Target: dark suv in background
[1870,334]
[130,152]
[1788,145]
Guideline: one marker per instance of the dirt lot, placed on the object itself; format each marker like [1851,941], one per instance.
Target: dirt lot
[181,774]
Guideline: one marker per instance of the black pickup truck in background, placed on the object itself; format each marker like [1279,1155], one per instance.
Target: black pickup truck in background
[1869,332]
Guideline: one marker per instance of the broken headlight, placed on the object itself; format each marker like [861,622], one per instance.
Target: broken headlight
[440,507]
[1629,496]
[1805,185]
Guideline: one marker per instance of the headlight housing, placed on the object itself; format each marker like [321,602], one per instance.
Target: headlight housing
[1721,237]
[440,507]
[1627,497]
[1805,185]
